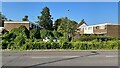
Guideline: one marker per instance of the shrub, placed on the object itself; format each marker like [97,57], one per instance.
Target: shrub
[24,31]
[94,37]
[9,36]
[57,34]
[4,44]
[55,45]
[19,41]
[66,45]
[46,33]
[34,33]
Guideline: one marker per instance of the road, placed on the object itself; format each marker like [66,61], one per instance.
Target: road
[59,58]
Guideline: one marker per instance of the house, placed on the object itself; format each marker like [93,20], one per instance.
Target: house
[9,25]
[107,29]
[81,27]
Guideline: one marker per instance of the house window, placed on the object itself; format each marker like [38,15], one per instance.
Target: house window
[102,27]
[97,27]
[81,29]
[89,28]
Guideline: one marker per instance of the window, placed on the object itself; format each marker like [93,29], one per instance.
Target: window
[102,27]
[89,28]
[97,27]
[82,29]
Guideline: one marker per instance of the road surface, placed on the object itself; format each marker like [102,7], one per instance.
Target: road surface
[59,58]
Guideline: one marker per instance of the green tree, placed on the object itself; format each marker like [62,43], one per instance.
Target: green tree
[25,18]
[45,19]
[34,33]
[2,19]
[66,25]
[57,23]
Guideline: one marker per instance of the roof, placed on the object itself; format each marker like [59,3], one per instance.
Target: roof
[16,22]
[22,22]
[104,24]
[82,22]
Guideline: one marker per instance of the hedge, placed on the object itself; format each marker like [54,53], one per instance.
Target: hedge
[78,45]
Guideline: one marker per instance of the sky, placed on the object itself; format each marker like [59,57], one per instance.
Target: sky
[91,12]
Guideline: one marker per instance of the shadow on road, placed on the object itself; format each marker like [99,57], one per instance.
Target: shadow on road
[38,65]
[51,62]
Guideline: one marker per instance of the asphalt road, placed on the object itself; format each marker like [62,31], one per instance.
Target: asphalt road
[59,58]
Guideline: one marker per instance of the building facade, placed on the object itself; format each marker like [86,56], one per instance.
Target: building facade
[104,29]
[9,25]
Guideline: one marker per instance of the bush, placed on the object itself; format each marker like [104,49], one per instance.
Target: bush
[94,37]
[9,36]
[46,33]
[17,43]
[4,44]
[66,45]
[55,45]
[24,31]
[57,34]
[34,33]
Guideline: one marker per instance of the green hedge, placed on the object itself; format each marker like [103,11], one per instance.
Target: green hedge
[78,45]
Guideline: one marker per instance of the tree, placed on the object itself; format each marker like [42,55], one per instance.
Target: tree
[25,18]
[57,23]
[67,26]
[2,19]
[45,19]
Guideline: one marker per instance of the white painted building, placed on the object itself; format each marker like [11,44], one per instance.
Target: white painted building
[82,26]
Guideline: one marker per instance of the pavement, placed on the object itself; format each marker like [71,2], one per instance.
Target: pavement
[59,58]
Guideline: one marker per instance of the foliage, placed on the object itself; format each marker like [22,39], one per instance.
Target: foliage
[9,36]
[93,37]
[46,33]
[23,30]
[66,25]
[35,33]
[45,19]
[25,18]
[2,19]
[93,45]
[4,44]
[57,34]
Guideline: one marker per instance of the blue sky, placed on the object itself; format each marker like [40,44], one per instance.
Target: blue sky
[92,12]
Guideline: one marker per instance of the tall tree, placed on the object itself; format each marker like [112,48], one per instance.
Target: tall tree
[67,26]
[2,19]
[25,18]
[45,20]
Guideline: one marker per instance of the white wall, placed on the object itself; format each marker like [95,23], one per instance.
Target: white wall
[88,30]
[82,26]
